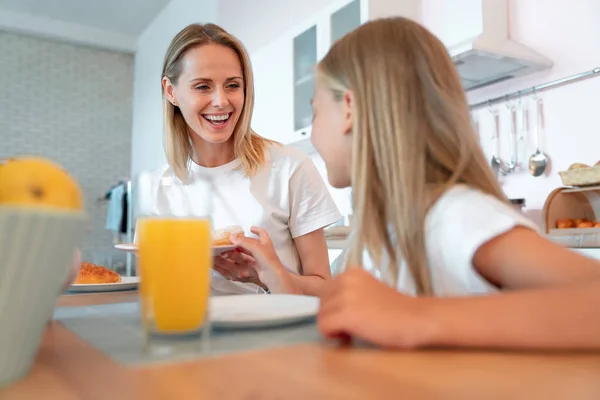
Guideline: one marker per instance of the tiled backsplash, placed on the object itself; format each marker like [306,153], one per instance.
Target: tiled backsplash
[73,105]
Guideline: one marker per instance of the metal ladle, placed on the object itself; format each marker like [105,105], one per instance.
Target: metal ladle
[538,160]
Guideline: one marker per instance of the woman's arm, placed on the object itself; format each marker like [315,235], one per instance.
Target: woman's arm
[261,256]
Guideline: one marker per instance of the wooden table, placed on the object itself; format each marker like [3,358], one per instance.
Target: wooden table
[68,368]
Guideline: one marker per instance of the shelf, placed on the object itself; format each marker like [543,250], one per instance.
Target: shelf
[573,231]
[581,189]
[304,80]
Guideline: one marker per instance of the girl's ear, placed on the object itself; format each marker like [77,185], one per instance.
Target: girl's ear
[349,109]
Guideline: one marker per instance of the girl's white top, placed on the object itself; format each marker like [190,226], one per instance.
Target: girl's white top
[462,220]
[287,197]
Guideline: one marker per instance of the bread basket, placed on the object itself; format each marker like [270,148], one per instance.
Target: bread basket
[36,251]
[576,206]
[585,176]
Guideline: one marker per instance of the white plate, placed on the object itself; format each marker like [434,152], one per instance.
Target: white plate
[127,283]
[254,310]
[132,248]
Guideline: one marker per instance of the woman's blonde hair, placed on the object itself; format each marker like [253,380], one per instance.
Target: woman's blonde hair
[248,146]
[412,139]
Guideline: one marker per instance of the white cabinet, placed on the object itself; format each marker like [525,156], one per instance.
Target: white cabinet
[310,46]
[284,68]
[454,21]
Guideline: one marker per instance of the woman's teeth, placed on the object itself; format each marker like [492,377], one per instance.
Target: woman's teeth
[217,119]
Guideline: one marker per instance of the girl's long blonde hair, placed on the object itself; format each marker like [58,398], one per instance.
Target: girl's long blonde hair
[248,146]
[412,139]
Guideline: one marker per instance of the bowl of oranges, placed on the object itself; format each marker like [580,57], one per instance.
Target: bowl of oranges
[42,220]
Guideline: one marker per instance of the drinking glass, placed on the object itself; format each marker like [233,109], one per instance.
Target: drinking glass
[175,263]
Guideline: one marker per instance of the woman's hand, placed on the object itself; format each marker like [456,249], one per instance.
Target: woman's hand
[236,265]
[260,255]
[355,304]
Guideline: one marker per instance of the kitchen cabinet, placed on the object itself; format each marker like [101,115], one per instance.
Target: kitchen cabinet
[310,46]
[305,58]
[453,21]
[284,68]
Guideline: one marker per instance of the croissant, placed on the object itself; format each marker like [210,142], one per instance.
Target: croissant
[221,236]
[93,274]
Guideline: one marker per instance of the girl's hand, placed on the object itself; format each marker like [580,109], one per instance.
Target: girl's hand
[265,263]
[355,304]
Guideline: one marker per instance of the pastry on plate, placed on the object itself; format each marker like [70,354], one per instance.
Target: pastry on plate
[221,236]
[90,274]
[565,223]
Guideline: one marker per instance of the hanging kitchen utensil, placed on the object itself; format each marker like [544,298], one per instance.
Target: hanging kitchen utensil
[496,163]
[538,160]
[523,132]
[512,142]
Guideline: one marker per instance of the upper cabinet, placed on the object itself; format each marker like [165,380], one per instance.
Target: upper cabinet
[309,47]
[344,20]
[305,58]
[285,68]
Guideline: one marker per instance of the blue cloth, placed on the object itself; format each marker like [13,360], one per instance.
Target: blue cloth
[115,209]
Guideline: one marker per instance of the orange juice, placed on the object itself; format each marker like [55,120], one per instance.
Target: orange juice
[175,264]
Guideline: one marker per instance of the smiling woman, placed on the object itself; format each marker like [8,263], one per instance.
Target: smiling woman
[275,191]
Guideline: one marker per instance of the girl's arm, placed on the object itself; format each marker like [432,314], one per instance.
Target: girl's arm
[554,303]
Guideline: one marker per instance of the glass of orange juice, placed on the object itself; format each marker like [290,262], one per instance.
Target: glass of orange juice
[175,263]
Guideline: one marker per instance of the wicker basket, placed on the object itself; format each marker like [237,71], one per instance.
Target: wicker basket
[573,203]
[581,176]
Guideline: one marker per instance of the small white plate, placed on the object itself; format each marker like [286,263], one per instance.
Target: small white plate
[255,310]
[132,248]
[127,283]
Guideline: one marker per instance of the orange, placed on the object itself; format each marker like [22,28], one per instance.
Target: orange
[38,182]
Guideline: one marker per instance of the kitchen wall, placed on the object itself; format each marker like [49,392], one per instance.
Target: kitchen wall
[147,146]
[71,104]
[568,33]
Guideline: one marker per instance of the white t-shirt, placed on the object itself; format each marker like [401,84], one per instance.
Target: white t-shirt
[460,222]
[287,197]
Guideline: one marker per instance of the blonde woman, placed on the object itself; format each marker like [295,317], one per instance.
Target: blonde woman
[271,190]
[450,262]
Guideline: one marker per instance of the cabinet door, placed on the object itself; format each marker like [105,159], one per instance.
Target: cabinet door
[345,20]
[273,102]
[305,59]
[454,22]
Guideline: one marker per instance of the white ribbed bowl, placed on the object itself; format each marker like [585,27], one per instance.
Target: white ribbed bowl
[36,251]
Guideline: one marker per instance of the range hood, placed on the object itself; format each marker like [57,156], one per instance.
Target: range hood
[485,54]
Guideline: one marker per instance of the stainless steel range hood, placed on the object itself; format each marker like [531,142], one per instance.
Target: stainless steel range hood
[492,56]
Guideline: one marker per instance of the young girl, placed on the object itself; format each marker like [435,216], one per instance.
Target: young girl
[451,263]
